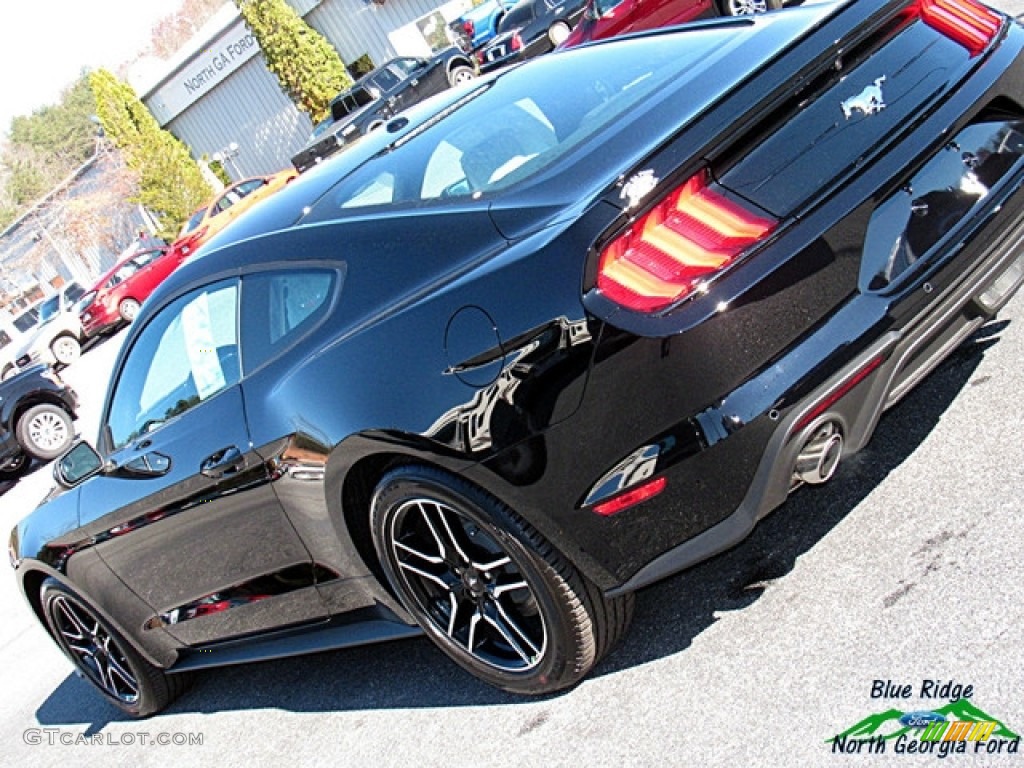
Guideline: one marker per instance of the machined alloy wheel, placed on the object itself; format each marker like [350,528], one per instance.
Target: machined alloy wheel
[128,309]
[45,431]
[66,349]
[103,656]
[486,587]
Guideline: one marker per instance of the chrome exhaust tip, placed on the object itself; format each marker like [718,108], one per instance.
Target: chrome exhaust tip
[819,457]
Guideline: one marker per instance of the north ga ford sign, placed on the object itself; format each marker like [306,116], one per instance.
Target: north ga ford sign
[225,55]
[225,61]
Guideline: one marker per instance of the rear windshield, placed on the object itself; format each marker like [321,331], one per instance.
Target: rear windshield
[193,221]
[519,15]
[517,126]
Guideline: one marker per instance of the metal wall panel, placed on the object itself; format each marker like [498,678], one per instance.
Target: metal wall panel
[356,27]
[249,109]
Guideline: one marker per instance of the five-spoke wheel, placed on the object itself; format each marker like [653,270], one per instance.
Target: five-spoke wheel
[486,587]
[103,657]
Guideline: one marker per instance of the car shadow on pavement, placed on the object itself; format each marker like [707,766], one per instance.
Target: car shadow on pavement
[669,615]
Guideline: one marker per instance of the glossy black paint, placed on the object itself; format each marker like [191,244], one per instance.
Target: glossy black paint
[467,334]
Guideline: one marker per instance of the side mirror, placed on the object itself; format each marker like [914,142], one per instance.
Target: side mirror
[77,465]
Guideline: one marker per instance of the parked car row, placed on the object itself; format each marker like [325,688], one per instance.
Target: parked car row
[378,96]
[49,335]
[55,338]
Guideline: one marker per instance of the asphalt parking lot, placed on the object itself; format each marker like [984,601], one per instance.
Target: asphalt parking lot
[905,570]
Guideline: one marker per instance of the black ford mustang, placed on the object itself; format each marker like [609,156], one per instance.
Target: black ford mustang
[537,343]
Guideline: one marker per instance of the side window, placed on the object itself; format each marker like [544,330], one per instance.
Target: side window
[278,307]
[250,186]
[73,293]
[379,190]
[146,257]
[406,66]
[385,80]
[187,354]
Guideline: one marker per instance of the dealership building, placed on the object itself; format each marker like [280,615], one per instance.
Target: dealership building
[219,98]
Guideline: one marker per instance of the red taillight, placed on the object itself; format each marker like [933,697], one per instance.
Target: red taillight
[631,498]
[969,23]
[517,42]
[687,238]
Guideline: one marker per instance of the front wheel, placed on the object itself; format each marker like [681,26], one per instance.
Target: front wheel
[45,431]
[104,658]
[66,349]
[749,7]
[486,587]
[461,74]
[128,309]
[558,32]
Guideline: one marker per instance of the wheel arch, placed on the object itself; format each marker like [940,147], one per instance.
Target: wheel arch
[34,576]
[369,459]
[458,61]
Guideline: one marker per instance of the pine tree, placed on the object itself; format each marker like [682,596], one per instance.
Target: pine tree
[170,182]
[308,68]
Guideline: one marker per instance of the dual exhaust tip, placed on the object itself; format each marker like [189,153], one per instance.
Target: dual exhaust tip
[819,457]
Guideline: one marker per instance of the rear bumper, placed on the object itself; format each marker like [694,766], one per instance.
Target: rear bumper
[894,363]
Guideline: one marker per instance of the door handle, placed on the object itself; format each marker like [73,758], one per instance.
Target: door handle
[226,461]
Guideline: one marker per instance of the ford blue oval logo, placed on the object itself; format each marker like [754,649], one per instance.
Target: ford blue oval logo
[921,719]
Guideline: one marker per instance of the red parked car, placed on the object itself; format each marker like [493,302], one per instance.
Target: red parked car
[608,18]
[115,298]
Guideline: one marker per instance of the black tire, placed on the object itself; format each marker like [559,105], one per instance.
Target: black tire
[15,468]
[486,587]
[44,431]
[460,74]
[8,373]
[748,7]
[104,657]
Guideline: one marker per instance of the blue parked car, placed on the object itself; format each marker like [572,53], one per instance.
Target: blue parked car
[480,23]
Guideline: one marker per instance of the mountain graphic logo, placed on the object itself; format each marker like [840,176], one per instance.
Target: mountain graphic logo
[886,725]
